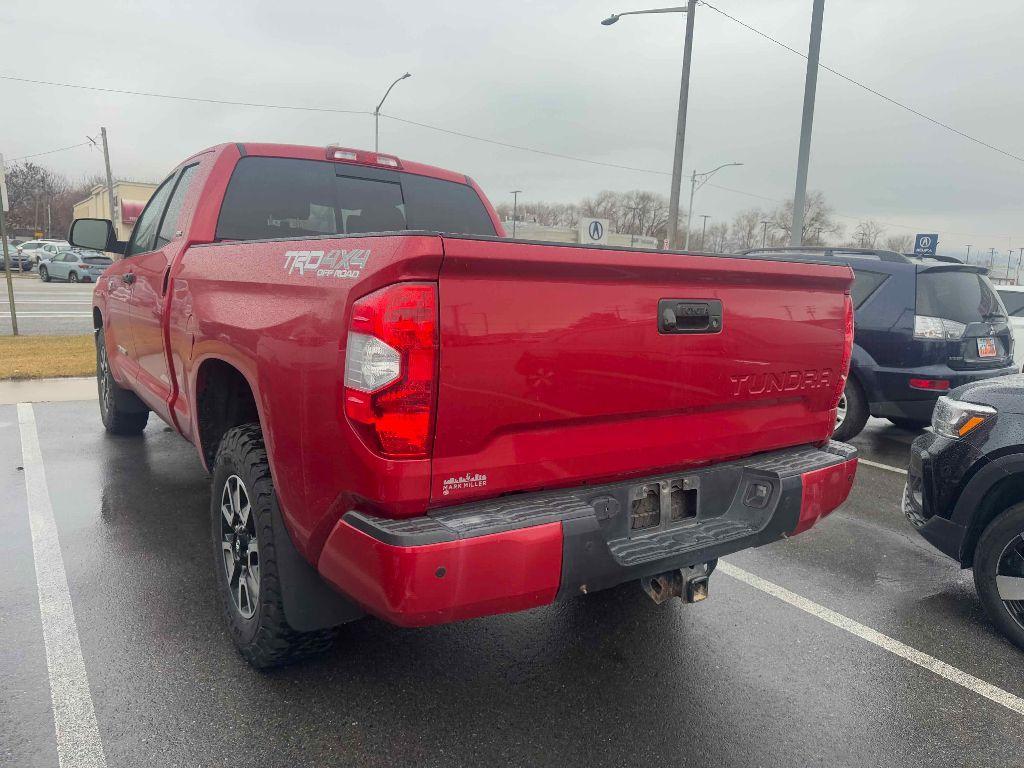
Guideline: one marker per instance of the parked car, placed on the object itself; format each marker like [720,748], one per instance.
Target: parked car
[964,491]
[19,262]
[37,250]
[347,337]
[924,326]
[74,265]
[1013,299]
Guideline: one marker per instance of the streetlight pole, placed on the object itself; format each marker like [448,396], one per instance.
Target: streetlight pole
[515,208]
[804,155]
[376,113]
[764,231]
[968,260]
[694,186]
[703,229]
[684,95]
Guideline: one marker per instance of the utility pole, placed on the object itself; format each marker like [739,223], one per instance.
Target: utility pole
[991,257]
[968,259]
[515,208]
[110,178]
[49,221]
[764,231]
[3,239]
[804,155]
[703,229]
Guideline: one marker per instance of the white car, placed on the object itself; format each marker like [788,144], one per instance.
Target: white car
[1013,300]
[37,249]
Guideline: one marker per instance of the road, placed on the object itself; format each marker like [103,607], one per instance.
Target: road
[47,308]
[743,679]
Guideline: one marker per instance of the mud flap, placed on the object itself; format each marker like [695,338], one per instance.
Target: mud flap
[309,602]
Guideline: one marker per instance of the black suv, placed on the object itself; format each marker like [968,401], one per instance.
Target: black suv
[922,326]
[965,491]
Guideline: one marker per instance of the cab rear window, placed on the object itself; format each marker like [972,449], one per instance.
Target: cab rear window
[270,197]
[965,297]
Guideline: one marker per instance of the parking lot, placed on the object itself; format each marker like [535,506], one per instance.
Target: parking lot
[828,649]
[47,308]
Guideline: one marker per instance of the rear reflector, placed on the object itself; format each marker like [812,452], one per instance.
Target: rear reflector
[933,385]
[824,490]
[390,369]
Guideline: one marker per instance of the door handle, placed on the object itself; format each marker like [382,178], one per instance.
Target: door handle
[128,278]
[689,316]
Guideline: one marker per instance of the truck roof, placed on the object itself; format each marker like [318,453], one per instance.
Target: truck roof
[308,152]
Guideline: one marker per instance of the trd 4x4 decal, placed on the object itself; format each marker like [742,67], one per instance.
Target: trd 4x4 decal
[336,263]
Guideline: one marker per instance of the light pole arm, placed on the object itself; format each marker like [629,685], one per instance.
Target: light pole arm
[376,112]
[681,9]
[385,97]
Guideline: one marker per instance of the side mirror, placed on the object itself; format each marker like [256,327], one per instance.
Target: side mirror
[95,234]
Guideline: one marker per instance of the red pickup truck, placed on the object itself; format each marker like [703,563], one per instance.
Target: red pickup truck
[409,415]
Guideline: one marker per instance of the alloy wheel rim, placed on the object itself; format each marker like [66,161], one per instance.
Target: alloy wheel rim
[240,547]
[1010,578]
[104,377]
[841,410]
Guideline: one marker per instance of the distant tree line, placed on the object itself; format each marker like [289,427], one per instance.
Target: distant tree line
[39,196]
[646,213]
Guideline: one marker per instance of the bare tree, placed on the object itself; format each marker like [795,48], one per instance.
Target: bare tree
[819,221]
[899,243]
[867,233]
[746,230]
[716,239]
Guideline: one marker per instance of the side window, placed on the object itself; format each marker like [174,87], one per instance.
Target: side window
[170,223]
[1014,302]
[444,206]
[144,234]
[864,284]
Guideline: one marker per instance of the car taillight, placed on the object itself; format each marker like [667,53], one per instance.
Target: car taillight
[844,365]
[391,368]
[937,328]
[940,385]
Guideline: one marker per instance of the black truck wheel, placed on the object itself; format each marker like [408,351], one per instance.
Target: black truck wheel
[999,573]
[245,560]
[852,414]
[121,410]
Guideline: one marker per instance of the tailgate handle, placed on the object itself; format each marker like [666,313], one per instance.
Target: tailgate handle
[689,316]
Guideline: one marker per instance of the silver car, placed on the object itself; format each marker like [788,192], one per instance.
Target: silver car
[76,265]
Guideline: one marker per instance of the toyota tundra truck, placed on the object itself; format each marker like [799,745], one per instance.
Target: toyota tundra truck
[408,415]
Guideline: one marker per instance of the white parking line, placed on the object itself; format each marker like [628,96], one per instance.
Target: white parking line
[875,464]
[74,717]
[904,651]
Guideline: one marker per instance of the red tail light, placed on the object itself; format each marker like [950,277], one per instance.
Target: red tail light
[391,367]
[844,365]
[940,385]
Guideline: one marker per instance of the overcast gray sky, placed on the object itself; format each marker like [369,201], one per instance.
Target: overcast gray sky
[548,75]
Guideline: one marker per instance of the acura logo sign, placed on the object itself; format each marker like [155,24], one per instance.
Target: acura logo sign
[596,230]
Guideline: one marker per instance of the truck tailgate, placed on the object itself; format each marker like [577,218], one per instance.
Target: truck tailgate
[555,369]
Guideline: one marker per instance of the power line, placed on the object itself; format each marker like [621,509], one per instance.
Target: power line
[868,88]
[187,98]
[439,129]
[51,151]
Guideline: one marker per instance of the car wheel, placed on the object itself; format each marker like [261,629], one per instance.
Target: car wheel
[248,580]
[999,573]
[44,274]
[851,413]
[911,425]
[121,411]
[73,277]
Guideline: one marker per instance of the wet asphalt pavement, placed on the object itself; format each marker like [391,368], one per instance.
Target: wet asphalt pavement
[610,679]
[46,308]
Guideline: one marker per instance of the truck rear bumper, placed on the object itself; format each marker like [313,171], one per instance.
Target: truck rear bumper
[518,552]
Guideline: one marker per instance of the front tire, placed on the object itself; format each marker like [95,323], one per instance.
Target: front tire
[44,274]
[852,413]
[245,559]
[999,573]
[121,410]
[73,277]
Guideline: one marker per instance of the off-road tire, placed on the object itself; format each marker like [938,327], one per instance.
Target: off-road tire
[856,412]
[1000,532]
[44,274]
[265,640]
[121,411]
